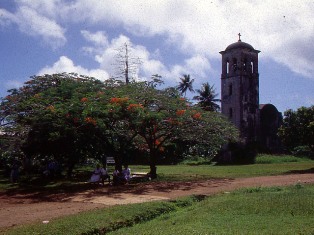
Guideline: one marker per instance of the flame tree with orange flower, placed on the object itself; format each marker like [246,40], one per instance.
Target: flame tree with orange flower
[70,118]
[47,118]
[165,118]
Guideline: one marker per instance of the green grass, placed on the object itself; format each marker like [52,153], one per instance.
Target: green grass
[262,211]
[247,211]
[274,210]
[184,172]
[105,220]
[266,165]
[271,159]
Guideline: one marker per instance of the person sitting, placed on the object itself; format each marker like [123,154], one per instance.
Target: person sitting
[99,175]
[126,173]
[123,177]
[117,177]
[104,175]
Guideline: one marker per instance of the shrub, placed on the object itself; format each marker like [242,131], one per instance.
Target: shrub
[237,153]
[303,151]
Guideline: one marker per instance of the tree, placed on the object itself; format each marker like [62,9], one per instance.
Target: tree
[207,98]
[163,118]
[68,118]
[185,84]
[126,63]
[298,128]
[49,117]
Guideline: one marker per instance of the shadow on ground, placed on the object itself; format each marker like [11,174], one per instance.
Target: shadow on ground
[66,191]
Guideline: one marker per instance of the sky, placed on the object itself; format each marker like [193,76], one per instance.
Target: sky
[170,37]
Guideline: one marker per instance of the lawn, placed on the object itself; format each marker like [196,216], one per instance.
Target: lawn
[265,165]
[274,210]
[248,211]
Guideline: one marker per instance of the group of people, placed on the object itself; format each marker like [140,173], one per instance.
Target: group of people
[101,174]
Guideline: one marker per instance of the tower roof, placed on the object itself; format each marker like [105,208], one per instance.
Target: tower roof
[239,44]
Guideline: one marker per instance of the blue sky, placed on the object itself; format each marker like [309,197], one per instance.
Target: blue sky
[171,37]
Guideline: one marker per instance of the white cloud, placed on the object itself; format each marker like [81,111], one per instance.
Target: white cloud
[198,65]
[144,64]
[281,29]
[207,27]
[107,58]
[49,8]
[99,38]
[105,53]
[34,24]
[31,21]
[6,18]
[64,64]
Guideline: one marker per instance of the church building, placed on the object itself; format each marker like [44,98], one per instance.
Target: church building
[258,123]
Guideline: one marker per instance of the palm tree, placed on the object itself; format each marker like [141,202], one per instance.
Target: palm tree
[207,98]
[185,84]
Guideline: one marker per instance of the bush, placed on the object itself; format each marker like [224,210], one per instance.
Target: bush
[303,151]
[273,159]
[237,153]
[194,161]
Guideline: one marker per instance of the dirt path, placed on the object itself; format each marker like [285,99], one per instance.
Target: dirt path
[26,208]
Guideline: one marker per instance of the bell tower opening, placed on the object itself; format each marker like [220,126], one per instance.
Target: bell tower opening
[244,65]
[230,89]
[234,65]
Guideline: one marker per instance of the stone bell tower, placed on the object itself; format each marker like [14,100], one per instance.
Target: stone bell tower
[240,88]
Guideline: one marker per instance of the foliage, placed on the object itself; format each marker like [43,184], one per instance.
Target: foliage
[207,98]
[303,151]
[69,118]
[9,152]
[195,160]
[298,128]
[185,84]
[237,153]
[163,119]
[48,118]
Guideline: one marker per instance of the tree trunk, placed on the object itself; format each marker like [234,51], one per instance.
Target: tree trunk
[153,171]
[118,163]
[153,168]
[70,170]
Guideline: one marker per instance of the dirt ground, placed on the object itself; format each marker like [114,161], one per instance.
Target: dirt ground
[24,207]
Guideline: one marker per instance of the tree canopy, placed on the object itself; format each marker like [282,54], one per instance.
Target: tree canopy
[67,117]
[185,84]
[298,128]
[207,98]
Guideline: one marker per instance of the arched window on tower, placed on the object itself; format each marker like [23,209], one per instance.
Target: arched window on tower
[244,65]
[252,67]
[227,67]
[230,89]
[234,65]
